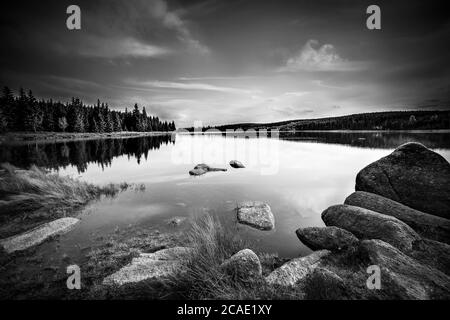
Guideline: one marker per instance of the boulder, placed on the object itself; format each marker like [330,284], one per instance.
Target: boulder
[403,275]
[296,269]
[38,235]
[412,175]
[368,224]
[157,266]
[432,253]
[244,265]
[427,225]
[202,169]
[324,284]
[236,164]
[256,214]
[330,238]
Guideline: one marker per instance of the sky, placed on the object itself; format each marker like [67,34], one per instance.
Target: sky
[232,61]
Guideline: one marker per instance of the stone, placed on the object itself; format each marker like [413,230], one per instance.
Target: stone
[176,221]
[236,164]
[368,224]
[295,270]
[202,168]
[38,235]
[324,284]
[244,265]
[412,175]
[157,266]
[427,225]
[330,238]
[403,275]
[256,214]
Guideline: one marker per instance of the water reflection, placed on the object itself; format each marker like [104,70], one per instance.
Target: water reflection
[80,153]
[376,140]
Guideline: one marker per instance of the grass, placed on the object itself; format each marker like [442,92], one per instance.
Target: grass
[213,242]
[34,195]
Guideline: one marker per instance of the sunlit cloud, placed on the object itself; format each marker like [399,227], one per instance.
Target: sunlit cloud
[313,57]
[119,48]
[194,86]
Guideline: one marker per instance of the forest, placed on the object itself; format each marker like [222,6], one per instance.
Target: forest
[24,112]
[390,120]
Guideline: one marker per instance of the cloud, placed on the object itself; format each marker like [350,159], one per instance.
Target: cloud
[119,48]
[194,86]
[172,20]
[313,57]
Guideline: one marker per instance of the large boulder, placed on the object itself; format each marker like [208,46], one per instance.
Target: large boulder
[432,253]
[330,238]
[368,224]
[244,265]
[295,270]
[403,275]
[412,175]
[157,266]
[202,168]
[256,214]
[324,284]
[38,235]
[427,225]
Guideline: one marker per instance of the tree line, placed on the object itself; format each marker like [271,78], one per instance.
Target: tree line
[390,120]
[26,113]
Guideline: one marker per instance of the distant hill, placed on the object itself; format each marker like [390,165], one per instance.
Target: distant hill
[392,120]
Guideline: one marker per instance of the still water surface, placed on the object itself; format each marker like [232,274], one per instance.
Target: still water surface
[298,175]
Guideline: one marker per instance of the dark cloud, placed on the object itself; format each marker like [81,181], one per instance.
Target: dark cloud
[226,61]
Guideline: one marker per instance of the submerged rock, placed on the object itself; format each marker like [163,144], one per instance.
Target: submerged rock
[244,265]
[427,225]
[236,164]
[330,238]
[158,265]
[202,169]
[412,175]
[405,276]
[256,214]
[176,221]
[367,224]
[296,269]
[38,235]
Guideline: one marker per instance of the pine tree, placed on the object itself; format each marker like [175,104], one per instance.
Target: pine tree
[32,116]
[136,118]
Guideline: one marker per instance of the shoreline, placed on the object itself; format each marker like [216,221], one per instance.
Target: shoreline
[47,137]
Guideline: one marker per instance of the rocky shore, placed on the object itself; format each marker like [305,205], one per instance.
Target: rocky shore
[388,240]
[397,221]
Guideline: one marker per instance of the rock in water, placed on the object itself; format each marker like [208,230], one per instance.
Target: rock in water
[176,221]
[367,224]
[236,164]
[38,235]
[256,214]
[158,265]
[330,238]
[427,225]
[412,175]
[296,269]
[202,169]
[404,275]
[244,265]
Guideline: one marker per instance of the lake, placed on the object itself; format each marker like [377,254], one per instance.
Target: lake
[299,175]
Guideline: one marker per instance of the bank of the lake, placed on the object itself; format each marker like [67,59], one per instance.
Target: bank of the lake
[53,137]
